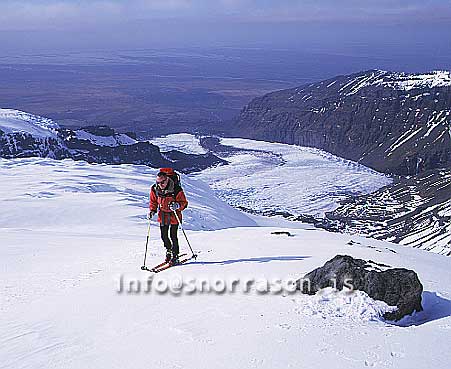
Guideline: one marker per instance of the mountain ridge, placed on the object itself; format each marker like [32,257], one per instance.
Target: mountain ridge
[26,135]
[393,122]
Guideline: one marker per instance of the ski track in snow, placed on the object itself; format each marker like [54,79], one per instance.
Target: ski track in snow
[69,230]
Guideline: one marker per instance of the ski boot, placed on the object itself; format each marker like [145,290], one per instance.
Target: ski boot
[168,256]
[175,260]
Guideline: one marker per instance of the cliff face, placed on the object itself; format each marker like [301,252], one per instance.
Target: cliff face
[395,123]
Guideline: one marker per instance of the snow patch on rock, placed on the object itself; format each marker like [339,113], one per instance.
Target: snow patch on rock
[396,80]
[111,141]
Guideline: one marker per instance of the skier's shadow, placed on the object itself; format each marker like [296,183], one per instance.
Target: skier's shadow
[262,259]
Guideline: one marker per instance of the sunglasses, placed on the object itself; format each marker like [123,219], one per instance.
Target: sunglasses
[163,181]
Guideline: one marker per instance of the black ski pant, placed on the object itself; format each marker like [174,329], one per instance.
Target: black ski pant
[171,244]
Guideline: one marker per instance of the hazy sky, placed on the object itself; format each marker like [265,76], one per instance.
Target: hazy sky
[327,25]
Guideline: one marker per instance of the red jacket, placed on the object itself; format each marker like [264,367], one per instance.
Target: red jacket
[160,200]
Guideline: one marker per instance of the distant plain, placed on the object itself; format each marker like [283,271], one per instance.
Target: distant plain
[156,92]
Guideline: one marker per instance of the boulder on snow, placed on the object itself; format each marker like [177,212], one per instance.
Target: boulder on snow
[397,287]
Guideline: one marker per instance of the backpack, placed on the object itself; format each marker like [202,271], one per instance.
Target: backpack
[171,173]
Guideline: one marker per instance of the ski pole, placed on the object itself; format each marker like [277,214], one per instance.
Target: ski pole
[147,242]
[178,219]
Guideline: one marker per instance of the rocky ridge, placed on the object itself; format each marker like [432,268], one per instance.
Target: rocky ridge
[27,135]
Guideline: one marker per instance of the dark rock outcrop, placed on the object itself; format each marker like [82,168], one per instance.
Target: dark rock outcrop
[25,145]
[101,131]
[397,287]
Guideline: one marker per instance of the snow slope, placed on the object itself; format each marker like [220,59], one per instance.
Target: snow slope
[66,188]
[70,232]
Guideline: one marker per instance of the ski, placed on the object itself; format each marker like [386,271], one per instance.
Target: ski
[168,265]
[158,266]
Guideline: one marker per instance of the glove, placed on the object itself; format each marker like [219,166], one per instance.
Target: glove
[174,206]
[151,214]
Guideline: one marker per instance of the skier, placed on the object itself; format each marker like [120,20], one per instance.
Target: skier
[167,197]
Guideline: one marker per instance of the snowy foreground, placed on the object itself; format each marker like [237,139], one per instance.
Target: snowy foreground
[71,233]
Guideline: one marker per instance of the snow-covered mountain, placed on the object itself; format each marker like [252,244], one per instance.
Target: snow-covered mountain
[73,233]
[392,122]
[398,81]
[27,135]
[396,123]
